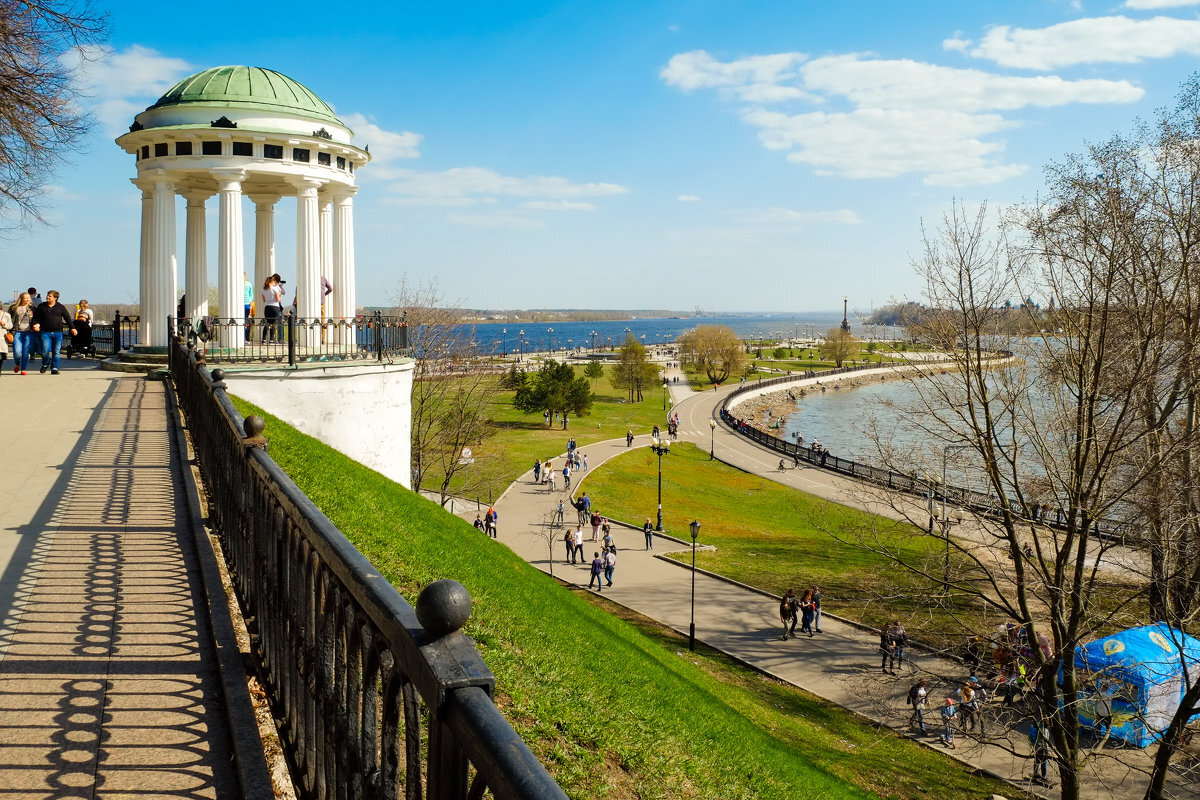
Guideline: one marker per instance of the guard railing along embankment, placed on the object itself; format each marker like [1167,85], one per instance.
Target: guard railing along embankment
[377,699]
[978,502]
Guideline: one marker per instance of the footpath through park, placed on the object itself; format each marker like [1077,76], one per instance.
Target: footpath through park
[841,664]
[109,679]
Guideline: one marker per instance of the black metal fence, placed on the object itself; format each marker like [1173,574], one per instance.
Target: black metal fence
[104,338]
[975,501]
[378,699]
[291,340]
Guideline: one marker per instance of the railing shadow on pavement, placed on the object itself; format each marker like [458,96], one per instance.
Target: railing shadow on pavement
[361,680]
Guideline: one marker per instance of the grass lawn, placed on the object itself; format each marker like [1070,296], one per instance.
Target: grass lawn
[522,437]
[610,702]
[775,537]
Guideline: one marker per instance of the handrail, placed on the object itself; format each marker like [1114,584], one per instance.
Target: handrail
[292,340]
[978,502]
[348,663]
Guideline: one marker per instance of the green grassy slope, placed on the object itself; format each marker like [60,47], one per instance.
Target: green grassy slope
[615,708]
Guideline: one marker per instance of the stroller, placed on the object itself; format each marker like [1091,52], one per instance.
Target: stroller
[82,341]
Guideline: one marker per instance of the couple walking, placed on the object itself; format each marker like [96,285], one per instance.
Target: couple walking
[807,607]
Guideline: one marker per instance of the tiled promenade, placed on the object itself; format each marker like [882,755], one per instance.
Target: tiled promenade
[108,681]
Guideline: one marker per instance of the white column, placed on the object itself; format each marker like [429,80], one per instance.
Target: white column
[344,294]
[326,206]
[195,264]
[231,262]
[264,244]
[308,252]
[144,259]
[161,288]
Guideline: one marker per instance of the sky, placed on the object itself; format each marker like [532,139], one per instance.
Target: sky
[723,155]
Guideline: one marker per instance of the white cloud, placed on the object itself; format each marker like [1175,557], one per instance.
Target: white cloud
[1149,5]
[480,181]
[386,146]
[688,198]
[558,205]
[756,79]
[956,43]
[843,216]
[1089,41]
[120,85]
[894,117]
[902,83]
[887,143]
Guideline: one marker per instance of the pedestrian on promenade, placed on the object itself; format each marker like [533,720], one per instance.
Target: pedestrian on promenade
[918,698]
[628,438]
[788,607]
[949,712]
[585,462]
[577,540]
[550,479]
[595,522]
[597,571]
[648,529]
[537,470]
[585,508]
[1039,738]
[816,600]
[966,694]
[22,325]
[892,641]
[567,477]
[478,523]
[806,613]
[49,319]
[6,324]
[609,542]
[561,510]
[610,564]
[569,541]
[272,298]
[489,522]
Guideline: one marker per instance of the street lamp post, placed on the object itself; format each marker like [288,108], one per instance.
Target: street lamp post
[504,342]
[695,526]
[660,447]
[712,443]
[550,332]
[665,385]
[521,333]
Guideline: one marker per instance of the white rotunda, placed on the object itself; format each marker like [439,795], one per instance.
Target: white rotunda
[234,131]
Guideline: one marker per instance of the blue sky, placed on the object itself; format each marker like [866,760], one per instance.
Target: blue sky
[726,155]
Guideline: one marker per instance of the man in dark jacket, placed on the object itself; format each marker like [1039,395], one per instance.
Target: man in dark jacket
[49,319]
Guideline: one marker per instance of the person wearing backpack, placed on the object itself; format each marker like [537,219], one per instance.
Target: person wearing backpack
[918,698]
[597,573]
[949,713]
[569,541]
[788,607]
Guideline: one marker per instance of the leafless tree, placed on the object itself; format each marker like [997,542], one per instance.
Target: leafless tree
[41,122]
[453,387]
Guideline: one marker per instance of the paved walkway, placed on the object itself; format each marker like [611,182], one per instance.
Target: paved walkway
[108,681]
[841,664]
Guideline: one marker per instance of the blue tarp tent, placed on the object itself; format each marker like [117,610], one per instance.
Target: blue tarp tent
[1137,678]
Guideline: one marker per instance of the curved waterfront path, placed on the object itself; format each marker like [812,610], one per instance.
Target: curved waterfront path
[841,664]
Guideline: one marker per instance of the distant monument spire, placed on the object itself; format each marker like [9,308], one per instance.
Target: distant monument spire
[845,313]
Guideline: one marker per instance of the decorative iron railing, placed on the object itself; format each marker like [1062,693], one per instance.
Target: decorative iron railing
[291,340]
[936,494]
[378,699]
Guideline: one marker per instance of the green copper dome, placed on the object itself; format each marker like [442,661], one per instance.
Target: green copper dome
[248,88]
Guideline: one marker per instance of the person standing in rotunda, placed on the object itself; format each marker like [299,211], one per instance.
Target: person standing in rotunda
[272,295]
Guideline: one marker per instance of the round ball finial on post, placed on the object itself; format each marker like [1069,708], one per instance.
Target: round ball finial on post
[254,426]
[443,607]
[218,378]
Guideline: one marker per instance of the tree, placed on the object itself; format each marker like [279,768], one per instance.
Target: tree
[555,389]
[838,346]
[453,388]
[593,370]
[634,371]
[713,349]
[40,120]
[1089,423]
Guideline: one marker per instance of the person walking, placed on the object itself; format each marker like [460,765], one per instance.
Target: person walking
[610,564]
[597,571]
[966,696]
[560,513]
[609,542]
[595,522]
[537,470]
[892,642]
[918,698]
[569,541]
[648,529]
[22,326]
[806,613]
[567,476]
[788,607]
[584,456]
[949,713]
[628,438]
[585,508]
[1039,739]
[49,319]
[550,479]
[816,601]
[577,540]
[490,521]
[6,334]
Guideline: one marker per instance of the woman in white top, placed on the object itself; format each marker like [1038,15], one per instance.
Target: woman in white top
[272,295]
[84,311]
[6,324]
